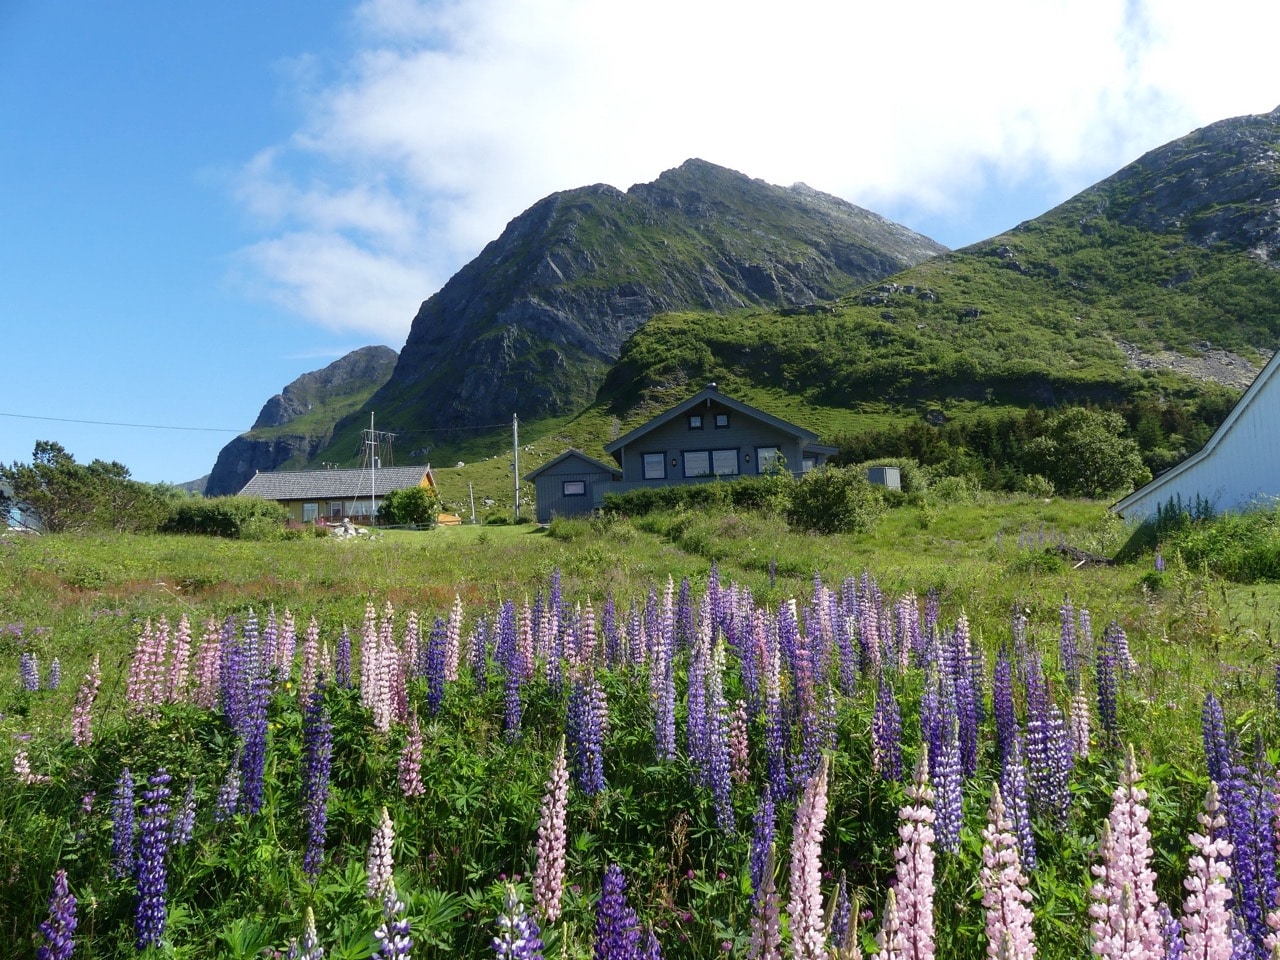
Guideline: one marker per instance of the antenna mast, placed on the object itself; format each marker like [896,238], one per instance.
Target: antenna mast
[373,441]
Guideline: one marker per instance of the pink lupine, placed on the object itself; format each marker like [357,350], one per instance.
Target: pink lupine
[914,869]
[889,939]
[142,669]
[1004,888]
[453,640]
[208,667]
[808,927]
[82,712]
[739,744]
[1206,919]
[1126,920]
[1079,722]
[410,767]
[286,645]
[379,864]
[766,929]
[309,668]
[368,655]
[180,669]
[548,874]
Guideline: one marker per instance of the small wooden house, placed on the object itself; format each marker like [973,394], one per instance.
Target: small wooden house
[328,495]
[571,484]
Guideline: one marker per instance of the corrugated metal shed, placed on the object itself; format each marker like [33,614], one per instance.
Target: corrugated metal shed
[1239,466]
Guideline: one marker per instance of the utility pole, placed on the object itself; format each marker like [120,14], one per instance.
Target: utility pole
[472,493]
[515,466]
[373,440]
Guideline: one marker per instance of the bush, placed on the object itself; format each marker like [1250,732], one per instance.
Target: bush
[237,518]
[413,505]
[768,493]
[835,500]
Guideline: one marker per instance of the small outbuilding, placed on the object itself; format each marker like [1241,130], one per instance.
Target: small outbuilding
[571,484]
[311,495]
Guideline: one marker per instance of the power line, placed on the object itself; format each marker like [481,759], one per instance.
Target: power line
[113,423]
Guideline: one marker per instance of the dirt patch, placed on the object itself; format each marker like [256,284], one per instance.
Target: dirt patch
[1206,363]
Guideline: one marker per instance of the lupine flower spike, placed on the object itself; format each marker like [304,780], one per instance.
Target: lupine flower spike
[1206,919]
[808,931]
[518,935]
[548,875]
[1004,888]
[58,929]
[379,864]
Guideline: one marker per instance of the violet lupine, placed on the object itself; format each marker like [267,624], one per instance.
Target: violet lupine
[54,679]
[342,660]
[151,868]
[1105,679]
[57,932]
[808,929]
[914,869]
[1206,918]
[764,826]
[584,731]
[618,933]
[229,792]
[1050,761]
[1115,638]
[1002,701]
[1249,805]
[394,942]
[184,818]
[507,654]
[766,922]
[317,758]
[777,735]
[253,734]
[948,783]
[719,760]
[82,712]
[841,912]
[309,947]
[1217,747]
[548,873]
[379,864]
[436,652]
[886,733]
[122,826]
[409,769]
[1126,921]
[739,744]
[1013,790]
[29,671]
[1068,646]
[518,935]
[1005,896]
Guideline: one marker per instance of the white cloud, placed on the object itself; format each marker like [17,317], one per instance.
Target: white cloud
[453,117]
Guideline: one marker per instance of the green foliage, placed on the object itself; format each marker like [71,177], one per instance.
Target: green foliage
[835,500]
[245,518]
[413,505]
[768,493]
[70,496]
[1241,547]
[1083,453]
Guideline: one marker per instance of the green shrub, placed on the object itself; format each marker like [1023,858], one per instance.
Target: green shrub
[835,500]
[413,505]
[247,518]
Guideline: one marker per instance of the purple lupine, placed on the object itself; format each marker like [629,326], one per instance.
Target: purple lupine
[309,948]
[29,671]
[1002,702]
[584,730]
[122,826]
[1249,804]
[253,759]
[841,912]
[1105,679]
[184,818]
[1013,787]
[766,925]
[777,736]
[508,656]
[317,758]
[944,754]
[1217,747]
[342,664]
[696,703]
[886,733]
[719,760]
[1115,637]
[1050,760]
[1068,646]
[518,935]
[151,869]
[58,930]
[229,792]
[548,874]
[54,680]
[764,825]
[409,768]
[618,933]
[808,930]
[394,942]
[436,655]
[478,654]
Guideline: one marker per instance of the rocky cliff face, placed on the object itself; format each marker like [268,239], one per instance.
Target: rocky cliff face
[297,423]
[533,323]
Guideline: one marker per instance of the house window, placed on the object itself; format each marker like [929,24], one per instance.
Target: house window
[309,511]
[655,466]
[335,510]
[766,457]
[724,463]
[695,421]
[722,421]
[697,463]
[574,488]
[807,464]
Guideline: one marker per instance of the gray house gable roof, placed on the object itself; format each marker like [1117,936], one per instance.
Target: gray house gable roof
[346,484]
[706,397]
[1247,399]
[593,463]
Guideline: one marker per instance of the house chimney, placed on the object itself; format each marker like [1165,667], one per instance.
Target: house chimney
[712,387]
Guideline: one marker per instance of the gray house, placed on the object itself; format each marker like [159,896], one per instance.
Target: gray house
[571,484]
[710,436]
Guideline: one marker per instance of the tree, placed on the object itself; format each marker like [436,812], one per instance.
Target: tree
[1083,452]
[71,496]
[416,505]
[835,500]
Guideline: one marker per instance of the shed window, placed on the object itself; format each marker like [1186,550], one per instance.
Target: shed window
[574,488]
[655,466]
[722,421]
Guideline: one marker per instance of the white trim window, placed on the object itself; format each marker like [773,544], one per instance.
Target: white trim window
[697,463]
[654,466]
[722,421]
[695,421]
[724,463]
[711,463]
[309,512]
[574,488]
[766,457]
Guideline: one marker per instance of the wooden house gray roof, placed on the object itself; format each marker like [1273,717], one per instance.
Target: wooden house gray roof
[574,455]
[346,484]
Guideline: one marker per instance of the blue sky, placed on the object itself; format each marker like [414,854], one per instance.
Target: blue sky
[200,203]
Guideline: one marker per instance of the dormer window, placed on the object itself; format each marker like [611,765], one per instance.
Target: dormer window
[722,421]
[695,421]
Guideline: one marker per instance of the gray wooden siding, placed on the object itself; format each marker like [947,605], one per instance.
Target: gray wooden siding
[674,438]
[549,489]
